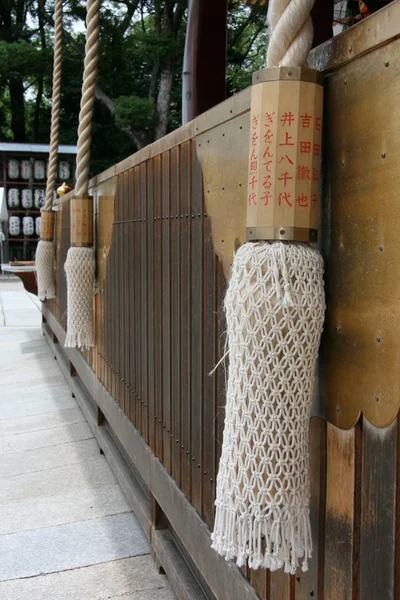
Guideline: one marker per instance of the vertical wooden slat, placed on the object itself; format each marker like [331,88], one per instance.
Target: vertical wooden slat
[119,290]
[132,278]
[115,293]
[279,586]
[185,324]
[221,372]
[258,580]
[158,417]
[197,330]
[143,298]
[176,224]
[125,267]
[150,305]
[358,482]
[138,421]
[166,309]
[307,584]
[209,361]
[339,513]
[378,504]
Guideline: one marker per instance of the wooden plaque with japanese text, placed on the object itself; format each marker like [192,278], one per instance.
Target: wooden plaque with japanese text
[82,222]
[284,155]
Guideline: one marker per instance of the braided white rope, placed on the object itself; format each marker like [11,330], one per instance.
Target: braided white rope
[80,264]
[291,32]
[275,308]
[55,106]
[45,252]
[88,97]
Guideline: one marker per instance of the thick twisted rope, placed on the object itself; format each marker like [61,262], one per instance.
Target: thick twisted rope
[291,32]
[88,96]
[55,107]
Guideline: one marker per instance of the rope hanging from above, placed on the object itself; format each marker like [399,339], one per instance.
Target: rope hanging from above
[80,263]
[275,310]
[45,251]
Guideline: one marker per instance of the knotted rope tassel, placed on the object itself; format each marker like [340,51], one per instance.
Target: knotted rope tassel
[80,263]
[45,250]
[275,310]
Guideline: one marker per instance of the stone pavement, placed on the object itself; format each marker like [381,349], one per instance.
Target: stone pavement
[66,529]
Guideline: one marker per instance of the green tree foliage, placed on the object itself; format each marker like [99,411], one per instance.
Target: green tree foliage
[140,69]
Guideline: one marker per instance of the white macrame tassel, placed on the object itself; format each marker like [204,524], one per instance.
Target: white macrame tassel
[45,270]
[80,271]
[275,308]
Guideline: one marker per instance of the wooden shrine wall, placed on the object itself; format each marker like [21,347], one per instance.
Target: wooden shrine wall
[178,214]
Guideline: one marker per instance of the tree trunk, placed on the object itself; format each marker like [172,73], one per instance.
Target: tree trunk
[164,100]
[38,103]
[17,106]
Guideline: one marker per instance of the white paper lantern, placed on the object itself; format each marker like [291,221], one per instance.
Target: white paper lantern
[27,198]
[40,196]
[13,198]
[64,170]
[27,226]
[14,226]
[26,169]
[13,168]
[37,225]
[39,169]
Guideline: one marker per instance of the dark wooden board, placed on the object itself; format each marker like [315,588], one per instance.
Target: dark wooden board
[126,293]
[120,343]
[210,400]
[176,223]
[378,512]
[150,305]
[339,522]
[166,307]
[185,321]
[137,310]
[143,299]
[132,324]
[158,390]
[197,330]
[308,583]
[279,586]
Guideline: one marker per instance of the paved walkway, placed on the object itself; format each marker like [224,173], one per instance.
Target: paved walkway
[66,529]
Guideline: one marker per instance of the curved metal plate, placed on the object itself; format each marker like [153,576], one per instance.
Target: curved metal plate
[360,356]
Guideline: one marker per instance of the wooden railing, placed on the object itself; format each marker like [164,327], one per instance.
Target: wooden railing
[167,223]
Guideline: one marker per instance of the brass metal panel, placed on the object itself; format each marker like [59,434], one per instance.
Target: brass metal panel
[380,28]
[223,155]
[225,111]
[104,225]
[360,357]
[179,136]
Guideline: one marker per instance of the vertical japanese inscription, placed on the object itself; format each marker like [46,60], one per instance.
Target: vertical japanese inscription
[284,157]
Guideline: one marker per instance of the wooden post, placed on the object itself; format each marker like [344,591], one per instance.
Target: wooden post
[284,154]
